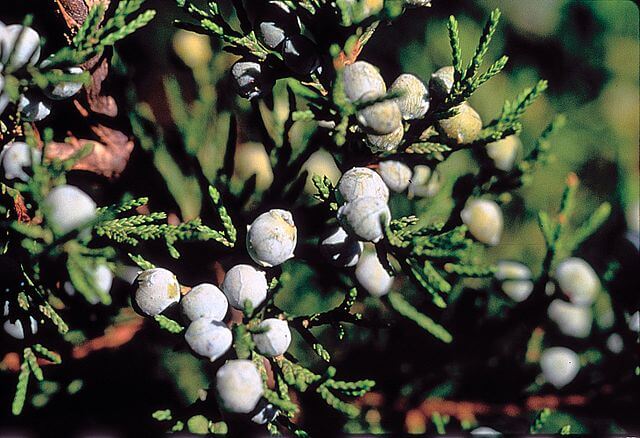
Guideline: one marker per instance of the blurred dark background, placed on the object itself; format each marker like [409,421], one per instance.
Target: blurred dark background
[589,53]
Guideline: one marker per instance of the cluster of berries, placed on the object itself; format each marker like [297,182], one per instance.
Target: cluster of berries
[279,30]
[20,48]
[271,240]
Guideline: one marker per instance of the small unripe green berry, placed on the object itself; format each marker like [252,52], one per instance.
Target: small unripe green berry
[158,288]
[275,339]
[387,142]
[515,279]
[464,127]
[572,320]
[381,118]
[441,82]
[577,280]
[252,159]
[208,338]
[395,174]
[372,275]
[484,220]
[242,283]
[414,96]
[359,182]
[503,152]
[239,386]
[192,48]
[341,249]
[204,301]
[362,78]
[15,157]
[19,46]
[67,208]
[559,365]
[365,218]
[321,162]
[272,238]
[424,182]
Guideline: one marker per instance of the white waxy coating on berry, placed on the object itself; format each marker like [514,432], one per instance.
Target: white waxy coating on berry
[67,89]
[19,45]
[272,238]
[341,249]
[361,78]
[359,182]
[372,276]
[387,142]
[4,97]
[380,118]
[266,414]
[424,182]
[441,82]
[515,279]
[248,78]
[364,217]
[464,127]
[67,208]
[103,279]
[419,4]
[208,338]
[577,280]
[615,344]
[572,320]
[16,330]
[242,283]
[276,22]
[17,156]
[204,301]
[395,174]
[504,152]
[157,289]
[559,366]
[632,216]
[485,431]
[239,386]
[276,338]
[33,108]
[633,322]
[484,220]
[414,96]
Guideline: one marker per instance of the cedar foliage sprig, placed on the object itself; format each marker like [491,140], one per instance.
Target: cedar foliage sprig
[93,36]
